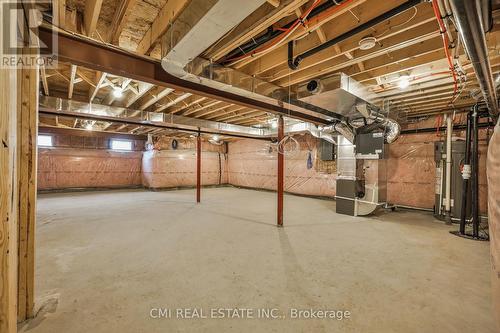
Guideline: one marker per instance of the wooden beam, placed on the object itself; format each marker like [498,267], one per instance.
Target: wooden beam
[155,98]
[142,88]
[8,201]
[43,76]
[91,15]
[257,22]
[170,11]
[173,102]
[276,61]
[72,77]
[27,125]
[274,3]
[120,19]
[110,98]
[59,13]
[100,78]
[194,100]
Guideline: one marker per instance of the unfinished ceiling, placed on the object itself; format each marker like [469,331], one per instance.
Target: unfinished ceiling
[407,46]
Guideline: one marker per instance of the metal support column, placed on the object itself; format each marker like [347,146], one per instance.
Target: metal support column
[281,164]
[198,167]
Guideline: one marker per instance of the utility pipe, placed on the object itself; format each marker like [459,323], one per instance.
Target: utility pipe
[466,173]
[469,20]
[198,168]
[475,174]
[281,173]
[294,63]
[449,131]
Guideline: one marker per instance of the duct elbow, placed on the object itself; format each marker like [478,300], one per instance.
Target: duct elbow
[393,129]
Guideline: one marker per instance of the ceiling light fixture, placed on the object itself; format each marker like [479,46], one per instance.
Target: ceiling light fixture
[404,82]
[367,43]
[117,92]
[215,137]
[88,127]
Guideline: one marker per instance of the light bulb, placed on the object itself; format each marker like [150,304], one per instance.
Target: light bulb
[88,127]
[215,138]
[404,82]
[117,92]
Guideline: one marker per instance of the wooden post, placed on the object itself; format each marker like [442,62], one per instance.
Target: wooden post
[281,173]
[28,82]
[8,201]
[198,168]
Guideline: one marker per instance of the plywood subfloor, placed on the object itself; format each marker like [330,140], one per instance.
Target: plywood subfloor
[104,259]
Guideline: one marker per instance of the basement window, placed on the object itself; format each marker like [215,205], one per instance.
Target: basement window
[45,141]
[121,144]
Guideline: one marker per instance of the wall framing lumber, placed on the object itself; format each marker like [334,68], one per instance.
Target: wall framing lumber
[8,202]
[27,127]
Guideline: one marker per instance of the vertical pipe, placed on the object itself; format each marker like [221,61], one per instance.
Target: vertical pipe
[198,167]
[281,164]
[466,173]
[475,180]
[449,130]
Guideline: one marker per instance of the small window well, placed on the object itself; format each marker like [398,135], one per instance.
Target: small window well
[45,141]
[121,144]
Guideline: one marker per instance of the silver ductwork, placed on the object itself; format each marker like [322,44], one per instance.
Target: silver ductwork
[103,115]
[470,19]
[182,46]
[353,101]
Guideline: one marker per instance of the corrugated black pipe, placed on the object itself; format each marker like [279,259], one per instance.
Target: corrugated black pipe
[474,175]
[294,63]
[465,181]
[271,33]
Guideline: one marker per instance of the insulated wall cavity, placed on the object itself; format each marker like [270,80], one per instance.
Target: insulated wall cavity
[166,167]
[253,164]
[63,168]
[79,159]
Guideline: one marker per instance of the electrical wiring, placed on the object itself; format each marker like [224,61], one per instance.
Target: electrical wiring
[302,20]
[400,24]
[446,42]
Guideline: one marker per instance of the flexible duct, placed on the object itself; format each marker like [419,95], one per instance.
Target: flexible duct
[469,19]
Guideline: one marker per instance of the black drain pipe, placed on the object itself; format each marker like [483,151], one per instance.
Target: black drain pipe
[271,33]
[466,174]
[294,63]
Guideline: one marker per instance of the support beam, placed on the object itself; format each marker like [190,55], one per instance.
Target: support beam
[100,78]
[198,168]
[72,78]
[91,15]
[167,15]
[142,89]
[27,125]
[8,201]
[43,76]
[281,173]
[92,55]
[156,98]
[120,19]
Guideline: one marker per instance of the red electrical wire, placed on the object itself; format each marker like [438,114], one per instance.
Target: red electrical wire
[301,19]
[446,42]
[280,38]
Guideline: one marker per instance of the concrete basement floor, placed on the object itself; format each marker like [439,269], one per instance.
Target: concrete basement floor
[104,259]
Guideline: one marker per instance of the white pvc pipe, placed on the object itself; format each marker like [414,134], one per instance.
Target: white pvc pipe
[449,130]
